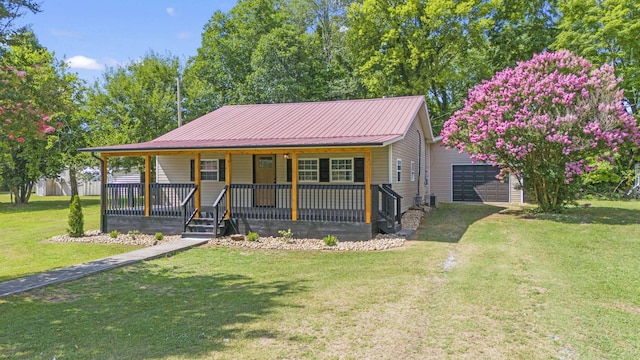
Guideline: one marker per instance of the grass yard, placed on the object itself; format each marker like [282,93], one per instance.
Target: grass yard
[480,282]
[22,229]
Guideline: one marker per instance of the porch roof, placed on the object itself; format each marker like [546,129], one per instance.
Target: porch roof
[369,122]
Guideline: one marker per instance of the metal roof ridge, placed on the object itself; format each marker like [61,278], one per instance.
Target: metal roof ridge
[324,101]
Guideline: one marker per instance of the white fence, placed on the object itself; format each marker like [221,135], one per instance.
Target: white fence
[61,186]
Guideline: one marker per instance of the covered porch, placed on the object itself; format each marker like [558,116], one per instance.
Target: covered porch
[356,210]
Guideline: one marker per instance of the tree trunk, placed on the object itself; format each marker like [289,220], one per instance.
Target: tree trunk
[73,179]
[22,193]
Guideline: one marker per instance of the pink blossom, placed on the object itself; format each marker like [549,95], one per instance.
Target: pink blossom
[20,139]
[555,105]
[21,74]
[11,137]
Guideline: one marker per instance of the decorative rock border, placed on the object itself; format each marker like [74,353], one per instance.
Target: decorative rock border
[410,221]
[96,237]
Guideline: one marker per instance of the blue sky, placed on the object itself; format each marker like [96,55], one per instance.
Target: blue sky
[92,35]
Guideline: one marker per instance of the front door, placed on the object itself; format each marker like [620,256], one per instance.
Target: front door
[264,172]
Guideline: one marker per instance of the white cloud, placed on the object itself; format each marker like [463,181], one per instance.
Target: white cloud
[184,35]
[171,11]
[83,62]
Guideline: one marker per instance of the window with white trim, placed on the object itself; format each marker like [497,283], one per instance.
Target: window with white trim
[413,171]
[399,170]
[341,170]
[209,170]
[307,170]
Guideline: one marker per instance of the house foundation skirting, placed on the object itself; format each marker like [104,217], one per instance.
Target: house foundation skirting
[144,224]
[344,231]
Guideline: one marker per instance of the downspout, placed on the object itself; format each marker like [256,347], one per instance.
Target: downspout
[103,223]
[419,160]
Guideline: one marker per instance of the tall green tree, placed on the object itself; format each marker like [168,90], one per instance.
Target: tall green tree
[37,95]
[285,68]
[216,75]
[604,31]
[269,51]
[404,47]
[518,29]
[10,11]
[133,103]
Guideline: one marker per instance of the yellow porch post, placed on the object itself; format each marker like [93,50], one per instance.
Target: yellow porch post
[227,181]
[294,186]
[197,178]
[367,186]
[147,185]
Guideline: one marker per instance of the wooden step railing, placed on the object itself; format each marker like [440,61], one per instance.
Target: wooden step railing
[220,208]
[188,206]
[390,206]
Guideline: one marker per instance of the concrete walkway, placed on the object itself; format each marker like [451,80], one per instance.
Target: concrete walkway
[92,267]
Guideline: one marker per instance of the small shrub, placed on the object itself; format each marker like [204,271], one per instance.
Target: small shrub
[252,236]
[76,219]
[286,234]
[114,234]
[133,234]
[330,240]
[159,236]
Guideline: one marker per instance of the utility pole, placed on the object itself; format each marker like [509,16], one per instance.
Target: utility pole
[179,104]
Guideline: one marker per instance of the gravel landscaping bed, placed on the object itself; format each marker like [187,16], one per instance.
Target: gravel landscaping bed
[96,237]
[410,221]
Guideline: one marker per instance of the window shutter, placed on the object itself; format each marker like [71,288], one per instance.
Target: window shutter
[289,167]
[221,170]
[193,170]
[358,170]
[324,170]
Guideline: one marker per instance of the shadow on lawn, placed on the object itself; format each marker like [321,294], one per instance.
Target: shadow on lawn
[44,205]
[449,222]
[592,215]
[143,311]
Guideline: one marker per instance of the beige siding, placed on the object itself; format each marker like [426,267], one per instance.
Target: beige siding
[408,150]
[515,194]
[173,169]
[442,161]
[380,165]
[177,169]
[242,169]
[440,172]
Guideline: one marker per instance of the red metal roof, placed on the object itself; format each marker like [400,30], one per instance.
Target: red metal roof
[331,123]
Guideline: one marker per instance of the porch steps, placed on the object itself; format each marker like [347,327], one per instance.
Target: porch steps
[387,228]
[204,227]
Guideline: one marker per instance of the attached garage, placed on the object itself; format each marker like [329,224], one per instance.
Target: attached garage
[478,183]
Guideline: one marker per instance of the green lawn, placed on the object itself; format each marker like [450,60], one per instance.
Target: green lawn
[22,229]
[481,282]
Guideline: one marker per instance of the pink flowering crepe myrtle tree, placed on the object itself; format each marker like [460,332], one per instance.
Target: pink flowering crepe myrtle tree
[20,119]
[23,130]
[541,120]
